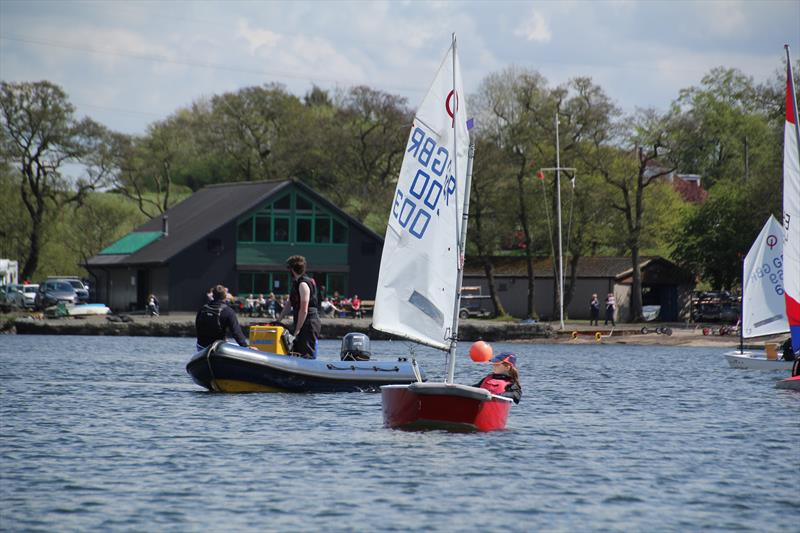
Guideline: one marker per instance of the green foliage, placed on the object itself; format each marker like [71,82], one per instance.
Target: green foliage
[349,145]
[715,238]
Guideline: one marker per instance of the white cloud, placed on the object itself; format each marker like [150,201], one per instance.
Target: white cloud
[257,39]
[726,19]
[534,28]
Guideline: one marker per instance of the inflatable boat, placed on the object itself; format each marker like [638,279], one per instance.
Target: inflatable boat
[226,367]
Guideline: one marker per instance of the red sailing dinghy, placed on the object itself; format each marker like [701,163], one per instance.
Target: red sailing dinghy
[791,220]
[419,284]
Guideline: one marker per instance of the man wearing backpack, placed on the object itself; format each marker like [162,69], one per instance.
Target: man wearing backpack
[216,320]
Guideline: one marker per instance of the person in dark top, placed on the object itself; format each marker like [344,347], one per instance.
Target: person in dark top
[594,309]
[216,320]
[504,378]
[303,303]
[786,348]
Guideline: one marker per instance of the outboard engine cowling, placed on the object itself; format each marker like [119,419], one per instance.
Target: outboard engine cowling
[355,347]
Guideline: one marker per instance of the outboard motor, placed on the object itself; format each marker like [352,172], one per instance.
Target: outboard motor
[355,347]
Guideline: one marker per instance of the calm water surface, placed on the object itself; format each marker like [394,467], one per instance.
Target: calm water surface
[110,434]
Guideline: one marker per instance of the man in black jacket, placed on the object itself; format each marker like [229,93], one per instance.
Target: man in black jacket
[216,320]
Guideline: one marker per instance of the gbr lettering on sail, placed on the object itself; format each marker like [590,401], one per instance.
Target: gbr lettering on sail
[417,204]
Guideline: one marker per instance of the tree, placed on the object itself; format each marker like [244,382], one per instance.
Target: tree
[513,109]
[641,158]
[716,237]
[364,151]
[487,216]
[41,136]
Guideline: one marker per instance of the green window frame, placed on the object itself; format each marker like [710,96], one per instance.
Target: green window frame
[293,218]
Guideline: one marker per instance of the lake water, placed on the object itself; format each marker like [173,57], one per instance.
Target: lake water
[110,434]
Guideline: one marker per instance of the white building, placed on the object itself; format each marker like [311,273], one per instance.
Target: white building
[9,272]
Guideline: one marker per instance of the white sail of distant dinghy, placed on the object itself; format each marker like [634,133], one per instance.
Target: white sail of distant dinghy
[420,261]
[763,307]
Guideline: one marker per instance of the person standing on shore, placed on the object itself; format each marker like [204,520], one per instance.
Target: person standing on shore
[303,299]
[611,307]
[594,308]
[215,320]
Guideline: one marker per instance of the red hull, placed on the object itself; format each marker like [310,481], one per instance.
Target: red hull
[440,406]
[792,383]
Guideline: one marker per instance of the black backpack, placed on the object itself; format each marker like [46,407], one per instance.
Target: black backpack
[208,324]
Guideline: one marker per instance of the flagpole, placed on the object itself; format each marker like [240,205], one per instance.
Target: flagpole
[560,247]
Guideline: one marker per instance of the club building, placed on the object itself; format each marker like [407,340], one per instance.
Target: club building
[664,284]
[237,234]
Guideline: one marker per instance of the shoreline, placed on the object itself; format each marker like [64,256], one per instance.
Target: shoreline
[182,325]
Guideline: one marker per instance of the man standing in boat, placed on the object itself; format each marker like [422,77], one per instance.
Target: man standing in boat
[303,300]
[215,319]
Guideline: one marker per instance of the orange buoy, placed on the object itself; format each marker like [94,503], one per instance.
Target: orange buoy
[480,352]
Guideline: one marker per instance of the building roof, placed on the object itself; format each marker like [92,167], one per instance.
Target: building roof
[132,242]
[588,267]
[198,215]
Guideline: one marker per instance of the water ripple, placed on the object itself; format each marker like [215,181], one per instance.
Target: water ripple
[105,433]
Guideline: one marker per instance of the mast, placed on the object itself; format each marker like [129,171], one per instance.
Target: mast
[462,241]
[793,96]
[462,235]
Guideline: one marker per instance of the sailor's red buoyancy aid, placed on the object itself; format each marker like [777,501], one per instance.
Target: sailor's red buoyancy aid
[494,385]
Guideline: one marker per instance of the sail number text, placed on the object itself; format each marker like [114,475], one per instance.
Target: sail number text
[414,208]
[773,272]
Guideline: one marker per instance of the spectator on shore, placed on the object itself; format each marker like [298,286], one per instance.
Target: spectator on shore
[611,307]
[153,306]
[327,308]
[594,308]
[271,306]
[355,305]
[250,305]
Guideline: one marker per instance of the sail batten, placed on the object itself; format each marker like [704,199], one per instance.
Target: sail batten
[419,266]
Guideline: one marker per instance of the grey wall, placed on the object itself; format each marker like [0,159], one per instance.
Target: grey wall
[197,268]
[364,259]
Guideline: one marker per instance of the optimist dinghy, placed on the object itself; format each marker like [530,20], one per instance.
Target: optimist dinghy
[227,367]
[419,284]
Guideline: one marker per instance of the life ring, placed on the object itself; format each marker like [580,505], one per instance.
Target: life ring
[574,335]
[597,336]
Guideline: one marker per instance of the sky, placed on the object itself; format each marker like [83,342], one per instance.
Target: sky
[130,64]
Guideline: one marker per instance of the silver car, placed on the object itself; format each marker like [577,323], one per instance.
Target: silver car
[51,292]
[26,296]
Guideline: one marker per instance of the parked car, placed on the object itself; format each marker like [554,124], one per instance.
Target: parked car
[26,296]
[81,290]
[474,304]
[8,294]
[53,291]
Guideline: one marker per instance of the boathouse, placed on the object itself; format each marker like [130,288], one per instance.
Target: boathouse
[237,234]
[664,284]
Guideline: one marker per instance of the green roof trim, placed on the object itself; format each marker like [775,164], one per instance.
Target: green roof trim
[132,242]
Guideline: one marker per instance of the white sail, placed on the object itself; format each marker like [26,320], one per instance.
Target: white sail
[419,266]
[763,309]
